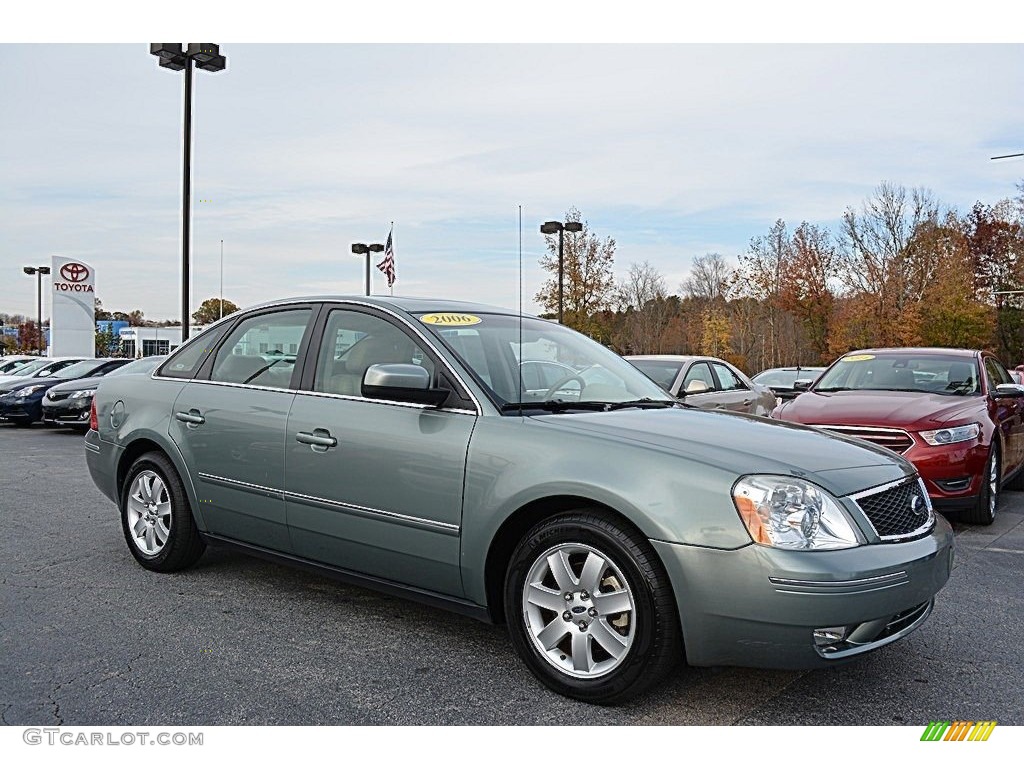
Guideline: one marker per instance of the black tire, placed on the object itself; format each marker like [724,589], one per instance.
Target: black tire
[652,627]
[182,546]
[984,510]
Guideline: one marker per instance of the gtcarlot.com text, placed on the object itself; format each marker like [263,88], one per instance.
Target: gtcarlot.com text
[76,738]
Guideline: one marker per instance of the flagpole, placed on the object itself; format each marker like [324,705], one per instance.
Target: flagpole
[391,285]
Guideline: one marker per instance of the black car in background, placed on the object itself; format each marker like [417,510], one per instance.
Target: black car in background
[22,403]
[68,404]
[783,381]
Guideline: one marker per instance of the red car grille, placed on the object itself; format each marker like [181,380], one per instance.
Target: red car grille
[894,439]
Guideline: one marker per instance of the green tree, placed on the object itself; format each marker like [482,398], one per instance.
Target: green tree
[589,284]
[106,342]
[210,311]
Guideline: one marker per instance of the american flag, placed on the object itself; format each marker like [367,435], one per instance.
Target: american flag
[387,266]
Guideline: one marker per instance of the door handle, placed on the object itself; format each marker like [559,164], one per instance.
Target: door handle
[319,438]
[192,417]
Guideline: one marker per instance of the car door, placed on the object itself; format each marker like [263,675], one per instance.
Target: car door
[229,424]
[733,394]
[698,387]
[375,486]
[1007,413]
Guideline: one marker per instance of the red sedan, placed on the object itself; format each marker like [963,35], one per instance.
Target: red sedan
[955,413]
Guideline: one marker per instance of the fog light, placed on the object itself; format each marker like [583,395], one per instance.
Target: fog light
[827,636]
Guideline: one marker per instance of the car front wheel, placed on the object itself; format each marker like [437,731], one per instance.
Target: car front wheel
[984,511]
[590,608]
[156,516]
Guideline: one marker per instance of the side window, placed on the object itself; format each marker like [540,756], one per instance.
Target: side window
[728,379]
[254,352]
[187,358]
[698,379]
[352,342]
[996,373]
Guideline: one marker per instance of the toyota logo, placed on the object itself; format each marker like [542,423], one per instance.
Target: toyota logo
[74,272]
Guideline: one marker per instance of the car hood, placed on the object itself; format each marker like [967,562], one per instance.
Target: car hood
[48,381]
[746,445]
[901,410]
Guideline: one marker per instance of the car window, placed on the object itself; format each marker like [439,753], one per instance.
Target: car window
[698,379]
[54,368]
[258,351]
[186,360]
[996,374]
[899,370]
[728,378]
[352,342]
[662,372]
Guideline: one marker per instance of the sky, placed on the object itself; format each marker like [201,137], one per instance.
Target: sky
[300,149]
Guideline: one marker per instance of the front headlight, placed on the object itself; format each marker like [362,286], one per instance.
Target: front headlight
[950,434]
[26,391]
[83,393]
[790,513]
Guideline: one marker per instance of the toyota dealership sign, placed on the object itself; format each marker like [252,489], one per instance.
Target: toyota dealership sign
[73,315]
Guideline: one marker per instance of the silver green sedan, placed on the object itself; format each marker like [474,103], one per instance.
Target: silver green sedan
[414,447]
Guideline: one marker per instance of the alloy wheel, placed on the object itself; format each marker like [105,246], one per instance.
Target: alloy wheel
[149,512]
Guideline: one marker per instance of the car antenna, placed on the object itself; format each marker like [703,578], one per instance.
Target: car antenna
[519,394]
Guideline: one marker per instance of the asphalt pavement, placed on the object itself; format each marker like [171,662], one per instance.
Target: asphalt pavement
[91,638]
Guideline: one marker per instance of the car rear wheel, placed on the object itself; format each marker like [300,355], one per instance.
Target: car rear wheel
[156,517]
[984,511]
[590,608]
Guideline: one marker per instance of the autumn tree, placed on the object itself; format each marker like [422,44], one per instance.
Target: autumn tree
[760,277]
[211,310]
[995,242]
[642,299]
[880,259]
[588,285]
[716,333]
[805,286]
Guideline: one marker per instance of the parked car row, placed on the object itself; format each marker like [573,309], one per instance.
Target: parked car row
[59,390]
[511,469]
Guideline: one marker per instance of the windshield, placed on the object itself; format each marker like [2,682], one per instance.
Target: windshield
[903,372]
[31,367]
[145,365]
[80,369]
[553,365]
[786,377]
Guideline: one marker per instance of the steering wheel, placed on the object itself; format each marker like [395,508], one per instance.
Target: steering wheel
[562,382]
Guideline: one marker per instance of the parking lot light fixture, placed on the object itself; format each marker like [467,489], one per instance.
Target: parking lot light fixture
[172,56]
[38,272]
[365,250]
[550,228]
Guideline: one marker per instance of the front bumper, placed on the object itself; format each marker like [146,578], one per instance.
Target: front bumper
[66,411]
[759,606]
[24,409]
[953,474]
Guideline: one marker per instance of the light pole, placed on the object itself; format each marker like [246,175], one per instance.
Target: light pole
[38,272]
[549,228]
[363,248]
[222,279]
[206,56]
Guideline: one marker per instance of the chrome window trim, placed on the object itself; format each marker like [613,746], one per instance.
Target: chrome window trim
[450,529]
[929,522]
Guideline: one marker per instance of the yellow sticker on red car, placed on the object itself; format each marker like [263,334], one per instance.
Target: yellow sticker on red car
[857,358]
[450,319]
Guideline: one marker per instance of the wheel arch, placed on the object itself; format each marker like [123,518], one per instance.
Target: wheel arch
[515,526]
[143,444]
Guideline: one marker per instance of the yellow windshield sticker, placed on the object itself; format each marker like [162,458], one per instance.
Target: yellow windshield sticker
[857,358]
[450,318]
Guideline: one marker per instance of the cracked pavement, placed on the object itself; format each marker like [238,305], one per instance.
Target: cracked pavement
[90,638]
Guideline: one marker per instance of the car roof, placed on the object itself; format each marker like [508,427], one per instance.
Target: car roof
[410,304]
[916,351]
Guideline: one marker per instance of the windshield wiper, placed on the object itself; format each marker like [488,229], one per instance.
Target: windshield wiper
[645,402]
[555,406]
[830,389]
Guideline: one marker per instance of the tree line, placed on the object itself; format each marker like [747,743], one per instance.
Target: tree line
[902,269]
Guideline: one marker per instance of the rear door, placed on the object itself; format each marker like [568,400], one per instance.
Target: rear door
[229,424]
[1007,413]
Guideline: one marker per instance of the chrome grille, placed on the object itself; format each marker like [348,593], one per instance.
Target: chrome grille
[894,439]
[891,510]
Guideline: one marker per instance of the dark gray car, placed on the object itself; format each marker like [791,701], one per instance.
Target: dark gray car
[397,444]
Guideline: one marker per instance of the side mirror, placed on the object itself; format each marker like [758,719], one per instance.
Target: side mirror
[402,382]
[802,385]
[1008,390]
[695,387]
